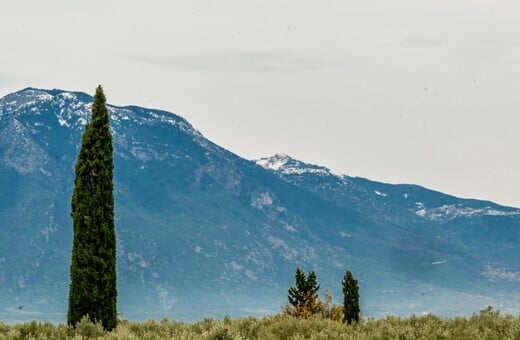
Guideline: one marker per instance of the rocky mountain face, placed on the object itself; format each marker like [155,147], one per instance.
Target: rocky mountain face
[204,232]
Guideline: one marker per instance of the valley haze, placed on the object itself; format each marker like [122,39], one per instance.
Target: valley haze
[204,232]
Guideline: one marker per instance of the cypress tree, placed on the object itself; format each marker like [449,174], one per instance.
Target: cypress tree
[303,297]
[350,298]
[93,290]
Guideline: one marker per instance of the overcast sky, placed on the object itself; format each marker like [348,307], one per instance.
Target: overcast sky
[400,91]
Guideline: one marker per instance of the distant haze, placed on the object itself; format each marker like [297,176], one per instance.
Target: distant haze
[403,91]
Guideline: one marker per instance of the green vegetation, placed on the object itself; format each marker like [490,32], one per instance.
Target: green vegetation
[304,296]
[93,290]
[350,298]
[488,324]
[304,302]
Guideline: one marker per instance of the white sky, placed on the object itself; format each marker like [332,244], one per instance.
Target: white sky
[400,91]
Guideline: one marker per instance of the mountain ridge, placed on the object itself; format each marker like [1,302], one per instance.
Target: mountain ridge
[200,228]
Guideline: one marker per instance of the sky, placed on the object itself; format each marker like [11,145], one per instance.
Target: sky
[399,91]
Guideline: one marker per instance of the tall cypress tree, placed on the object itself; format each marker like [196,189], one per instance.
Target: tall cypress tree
[350,298]
[93,290]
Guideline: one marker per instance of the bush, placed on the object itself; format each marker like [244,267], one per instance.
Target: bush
[488,324]
[321,308]
[89,330]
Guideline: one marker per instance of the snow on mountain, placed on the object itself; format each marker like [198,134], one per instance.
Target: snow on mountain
[449,212]
[71,108]
[290,169]
[289,166]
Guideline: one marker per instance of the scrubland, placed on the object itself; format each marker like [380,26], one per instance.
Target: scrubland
[487,324]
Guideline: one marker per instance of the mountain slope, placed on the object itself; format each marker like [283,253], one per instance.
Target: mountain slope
[202,231]
[411,205]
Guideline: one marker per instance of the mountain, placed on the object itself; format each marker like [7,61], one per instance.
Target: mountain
[204,232]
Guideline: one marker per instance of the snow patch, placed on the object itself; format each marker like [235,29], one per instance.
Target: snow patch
[273,163]
[67,95]
[289,166]
[62,121]
[452,211]
[44,96]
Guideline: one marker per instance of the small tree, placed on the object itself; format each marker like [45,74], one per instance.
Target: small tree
[93,290]
[328,309]
[304,296]
[350,298]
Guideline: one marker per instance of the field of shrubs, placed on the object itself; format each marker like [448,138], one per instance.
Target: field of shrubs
[488,324]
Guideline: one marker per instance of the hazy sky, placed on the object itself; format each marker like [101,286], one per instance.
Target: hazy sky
[400,91]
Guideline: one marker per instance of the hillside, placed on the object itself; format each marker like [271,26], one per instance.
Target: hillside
[202,231]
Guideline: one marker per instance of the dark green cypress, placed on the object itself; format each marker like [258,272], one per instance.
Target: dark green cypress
[93,290]
[297,294]
[304,295]
[350,298]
